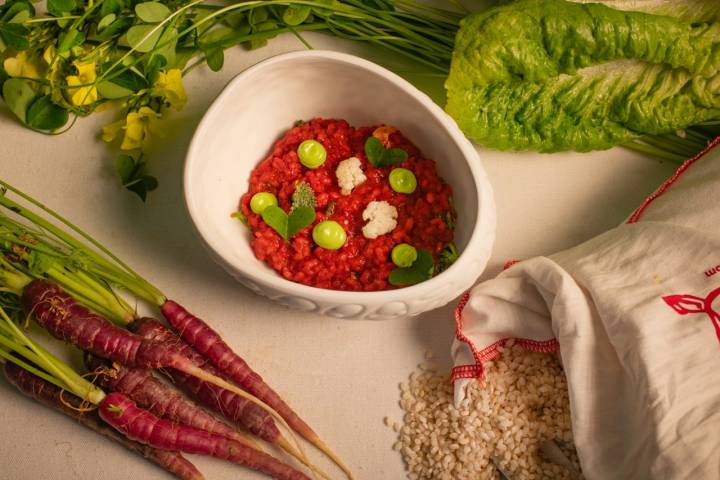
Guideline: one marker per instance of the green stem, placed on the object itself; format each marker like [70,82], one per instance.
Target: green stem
[48,362]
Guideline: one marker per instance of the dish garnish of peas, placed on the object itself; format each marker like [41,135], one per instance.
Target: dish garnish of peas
[344,208]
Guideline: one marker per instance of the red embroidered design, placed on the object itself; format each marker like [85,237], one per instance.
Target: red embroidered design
[684,304]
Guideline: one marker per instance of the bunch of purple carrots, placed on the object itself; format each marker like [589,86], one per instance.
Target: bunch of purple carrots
[77,290]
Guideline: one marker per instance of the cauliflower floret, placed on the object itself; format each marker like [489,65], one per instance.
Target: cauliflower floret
[349,175]
[381,217]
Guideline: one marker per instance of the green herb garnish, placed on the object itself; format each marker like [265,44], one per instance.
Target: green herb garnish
[421,270]
[447,257]
[379,156]
[304,196]
[302,213]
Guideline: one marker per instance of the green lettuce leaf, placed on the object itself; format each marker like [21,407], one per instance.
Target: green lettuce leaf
[552,75]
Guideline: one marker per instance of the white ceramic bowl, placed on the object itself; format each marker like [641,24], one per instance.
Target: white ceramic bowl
[261,104]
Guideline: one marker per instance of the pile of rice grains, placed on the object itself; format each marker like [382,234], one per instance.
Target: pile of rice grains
[515,424]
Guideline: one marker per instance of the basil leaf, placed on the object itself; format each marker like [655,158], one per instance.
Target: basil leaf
[15,36]
[18,95]
[393,156]
[374,150]
[152,12]
[299,218]
[296,14]
[137,34]
[419,271]
[276,219]
[43,114]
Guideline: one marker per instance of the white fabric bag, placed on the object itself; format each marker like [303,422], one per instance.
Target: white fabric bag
[635,315]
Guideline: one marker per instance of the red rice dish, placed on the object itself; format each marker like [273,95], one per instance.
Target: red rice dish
[425,217]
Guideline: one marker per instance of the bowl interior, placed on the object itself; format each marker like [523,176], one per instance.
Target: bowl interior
[261,104]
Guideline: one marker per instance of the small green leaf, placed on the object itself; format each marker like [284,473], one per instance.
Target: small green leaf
[106,21]
[303,196]
[21,17]
[119,25]
[378,156]
[235,18]
[111,6]
[276,219]
[58,7]
[69,40]
[152,12]
[43,114]
[392,156]
[130,80]
[215,59]
[299,218]
[112,91]
[296,14]
[18,95]
[258,15]
[374,150]
[142,185]
[125,168]
[13,9]
[419,271]
[15,36]
[140,37]
[211,37]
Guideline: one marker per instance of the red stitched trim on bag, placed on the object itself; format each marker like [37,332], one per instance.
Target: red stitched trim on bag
[636,215]
[510,263]
[491,352]
[459,333]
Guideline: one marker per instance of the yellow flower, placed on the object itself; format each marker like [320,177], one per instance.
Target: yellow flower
[53,63]
[169,85]
[111,130]
[139,126]
[22,65]
[83,93]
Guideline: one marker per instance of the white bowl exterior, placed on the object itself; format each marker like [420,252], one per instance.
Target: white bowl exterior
[261,104]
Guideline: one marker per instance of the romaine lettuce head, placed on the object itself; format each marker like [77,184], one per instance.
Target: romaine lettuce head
[551,75]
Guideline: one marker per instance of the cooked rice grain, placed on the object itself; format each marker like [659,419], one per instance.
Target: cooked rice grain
[521,403]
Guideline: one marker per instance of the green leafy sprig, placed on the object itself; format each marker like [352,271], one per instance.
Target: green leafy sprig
[422,269]
[302,213]
[379,156]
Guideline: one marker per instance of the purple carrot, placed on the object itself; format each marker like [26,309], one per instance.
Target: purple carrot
[233,407]
[64,318]
[140,385]
[208,343]
[53,397]
[144,427]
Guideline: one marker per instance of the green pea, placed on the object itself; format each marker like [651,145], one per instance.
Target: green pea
[404,255]
[261,200]
[329,235]
[402,180]
[312,154]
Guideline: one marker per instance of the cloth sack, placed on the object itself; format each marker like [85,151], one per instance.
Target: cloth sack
[635,316]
